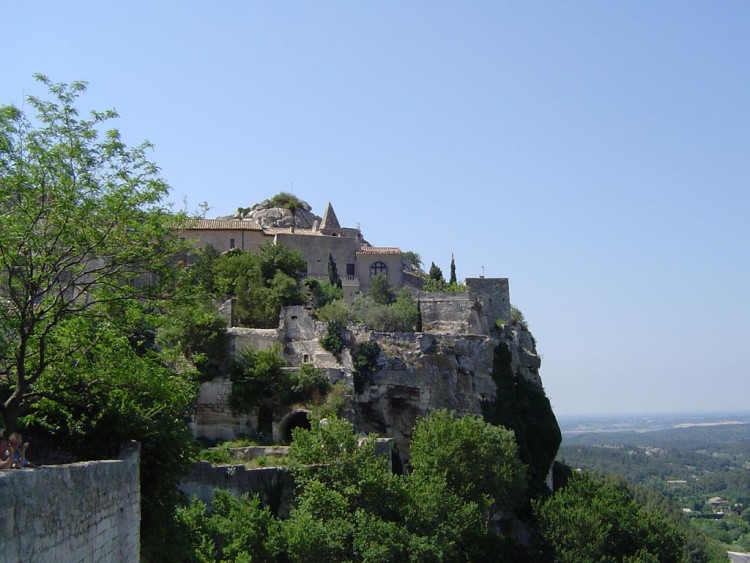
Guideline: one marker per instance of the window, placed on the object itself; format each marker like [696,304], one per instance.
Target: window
[378,268]
[231,243]
[350,269]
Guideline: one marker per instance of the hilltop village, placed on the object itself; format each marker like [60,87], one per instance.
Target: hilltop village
[448,364]
[315,238]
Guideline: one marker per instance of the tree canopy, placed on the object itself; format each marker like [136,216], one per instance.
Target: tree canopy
[84,224]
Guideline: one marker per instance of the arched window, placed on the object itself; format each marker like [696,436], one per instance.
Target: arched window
[378,268]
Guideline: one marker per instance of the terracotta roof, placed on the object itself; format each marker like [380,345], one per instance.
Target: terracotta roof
[222,224]
[379,250]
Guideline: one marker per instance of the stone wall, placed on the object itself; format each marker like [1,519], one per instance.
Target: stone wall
[451,313]
[256,338]
[472,312]
[213,418]
[494,296]
[87,511]
[274,485]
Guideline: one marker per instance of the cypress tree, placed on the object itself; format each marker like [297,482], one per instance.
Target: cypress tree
[453,280]
[333,274]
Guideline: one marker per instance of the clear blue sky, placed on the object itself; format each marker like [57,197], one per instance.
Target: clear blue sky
[596,153]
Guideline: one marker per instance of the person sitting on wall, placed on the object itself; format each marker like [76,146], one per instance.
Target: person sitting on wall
[19,451]
[6,453]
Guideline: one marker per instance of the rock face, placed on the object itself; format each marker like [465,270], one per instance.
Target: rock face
[419,372]
[267,216]
[416,372]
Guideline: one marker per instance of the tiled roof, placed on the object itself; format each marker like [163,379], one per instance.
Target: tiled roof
[222,224]
[379,250]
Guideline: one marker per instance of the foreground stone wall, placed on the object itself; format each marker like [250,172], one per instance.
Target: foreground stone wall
[87,511]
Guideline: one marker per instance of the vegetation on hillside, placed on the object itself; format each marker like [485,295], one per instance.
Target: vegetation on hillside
[351,507]
[689,466]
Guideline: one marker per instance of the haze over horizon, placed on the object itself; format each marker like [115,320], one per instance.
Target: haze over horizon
[597,154]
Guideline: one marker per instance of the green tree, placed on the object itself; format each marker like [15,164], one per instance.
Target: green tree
[413,259]
[351,507]
[195,330]
[236,529]
[478,461]
[229,269]
[333,340]
[83,224]
[453,280]
[381,291]
[336,310]
[407,311]
[263,282]
[257,377]
[100,394]
[365,364]
[597,520]
[436,273]
[323,293]
[333,275]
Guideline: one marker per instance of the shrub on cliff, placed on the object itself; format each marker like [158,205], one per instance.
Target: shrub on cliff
[365,364]
[333,340]
[260,380]
[523,407]
[401,315]
[262,282]
[323,292]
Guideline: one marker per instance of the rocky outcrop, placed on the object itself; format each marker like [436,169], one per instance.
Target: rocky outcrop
[494,375]
[419,372]
[267,216]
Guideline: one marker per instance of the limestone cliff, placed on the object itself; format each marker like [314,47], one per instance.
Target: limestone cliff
[495,375]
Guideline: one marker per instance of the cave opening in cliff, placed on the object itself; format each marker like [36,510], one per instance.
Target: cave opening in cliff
[296,419]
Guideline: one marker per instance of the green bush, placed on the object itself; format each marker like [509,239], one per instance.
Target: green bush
[307,381]
[365,364]
[400,316]
[336,402]
[333,340]
[323,293]
[381,291]
[260,379]
[334,311]
[256,377]
[517,318]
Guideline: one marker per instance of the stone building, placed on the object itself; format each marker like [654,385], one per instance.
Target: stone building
[357,261]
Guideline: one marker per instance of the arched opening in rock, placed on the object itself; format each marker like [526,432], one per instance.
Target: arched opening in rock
[296,419]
